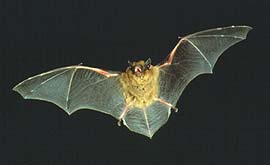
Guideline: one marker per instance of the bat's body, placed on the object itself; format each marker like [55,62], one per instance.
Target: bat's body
[142,96]
[140,91]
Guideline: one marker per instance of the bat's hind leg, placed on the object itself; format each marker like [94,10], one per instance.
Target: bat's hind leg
[122,115]
[125,111]
[167,104]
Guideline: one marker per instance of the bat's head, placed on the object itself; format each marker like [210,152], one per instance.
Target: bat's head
[139,68]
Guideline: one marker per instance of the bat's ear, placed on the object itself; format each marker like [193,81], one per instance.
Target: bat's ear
[148,61]
[130,63]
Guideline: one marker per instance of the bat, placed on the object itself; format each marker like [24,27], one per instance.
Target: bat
[143,96]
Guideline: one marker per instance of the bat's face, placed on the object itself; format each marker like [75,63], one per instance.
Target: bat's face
[140,68]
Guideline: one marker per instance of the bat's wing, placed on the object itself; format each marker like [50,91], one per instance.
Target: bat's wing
[195,54]
[79,87]
[76,87]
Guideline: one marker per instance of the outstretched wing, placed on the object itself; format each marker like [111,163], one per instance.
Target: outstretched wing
[196,54]
[79,87]
[76,87]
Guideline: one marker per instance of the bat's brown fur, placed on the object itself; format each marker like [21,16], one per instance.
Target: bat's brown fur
[140,91]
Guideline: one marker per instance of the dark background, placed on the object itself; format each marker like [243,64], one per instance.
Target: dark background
[224,118]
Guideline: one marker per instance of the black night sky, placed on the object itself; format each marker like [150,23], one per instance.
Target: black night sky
[224,118]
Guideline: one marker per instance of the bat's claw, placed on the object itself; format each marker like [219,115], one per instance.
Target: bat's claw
[175,109]
[119,122]
[167,104]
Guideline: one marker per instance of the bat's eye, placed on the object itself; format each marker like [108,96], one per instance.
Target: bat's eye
[148,66]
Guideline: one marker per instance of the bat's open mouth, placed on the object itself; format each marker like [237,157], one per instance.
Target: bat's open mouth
[137,70]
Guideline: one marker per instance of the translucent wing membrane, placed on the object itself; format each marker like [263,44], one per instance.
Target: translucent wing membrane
[196,54]
[147,121]
[79,87]
[75,87]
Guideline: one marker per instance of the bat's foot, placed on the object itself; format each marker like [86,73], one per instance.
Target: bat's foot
[175,109]
[167,104]
[122,115]
[119,122]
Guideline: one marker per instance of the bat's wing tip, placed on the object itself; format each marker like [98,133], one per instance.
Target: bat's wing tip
[15,88]
[245,30]
[19,90]
[244,26]
[240,26]
[248,27]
